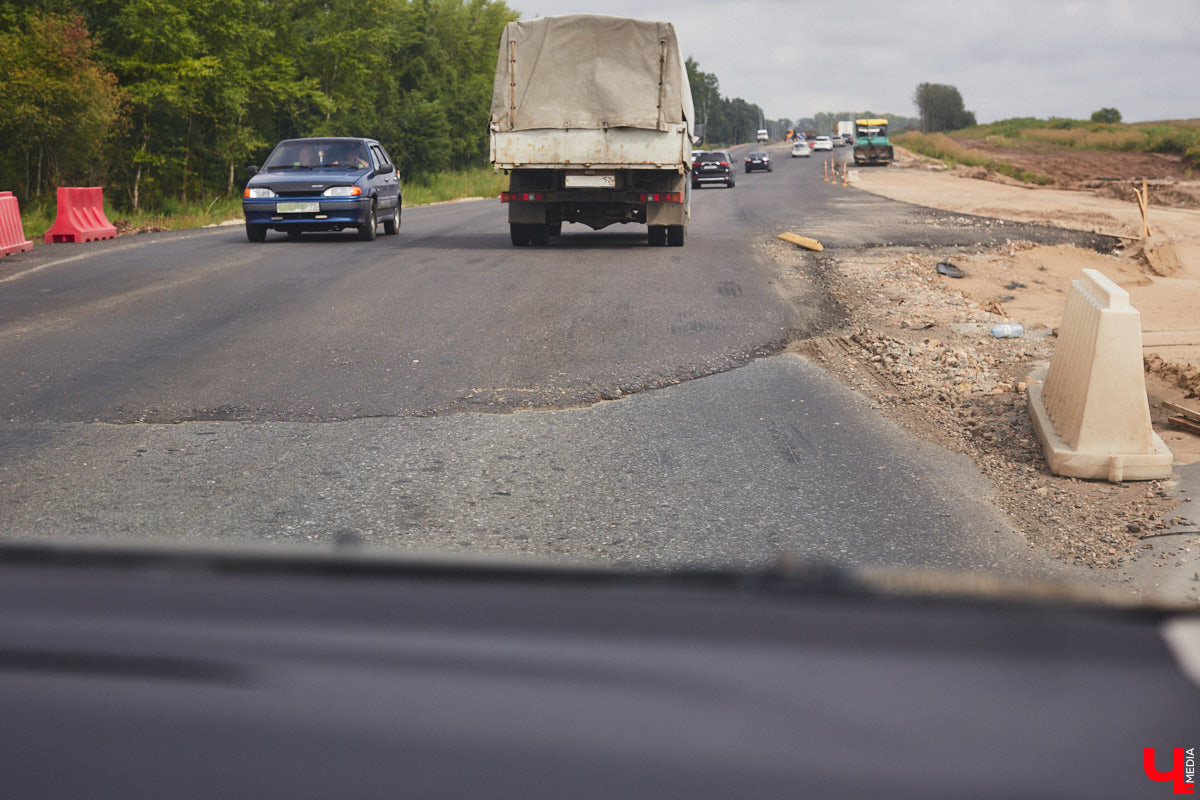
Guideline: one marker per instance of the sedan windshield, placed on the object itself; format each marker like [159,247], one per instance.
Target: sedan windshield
[316,153]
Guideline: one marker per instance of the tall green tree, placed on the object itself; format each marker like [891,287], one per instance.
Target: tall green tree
[59,108]
[941,108]
[726,120]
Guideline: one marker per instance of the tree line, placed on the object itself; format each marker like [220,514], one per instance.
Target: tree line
[164,101]
[825,122]
[726,121]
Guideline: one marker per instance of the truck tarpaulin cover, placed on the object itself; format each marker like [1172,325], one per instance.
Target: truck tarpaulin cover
[589,71]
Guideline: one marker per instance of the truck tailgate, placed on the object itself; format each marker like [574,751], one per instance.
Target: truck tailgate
[611,148]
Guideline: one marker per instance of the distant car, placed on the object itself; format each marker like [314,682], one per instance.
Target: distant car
[762,135]
[323,184]
[714,166]
[800,148]
[823,143]
[758,160]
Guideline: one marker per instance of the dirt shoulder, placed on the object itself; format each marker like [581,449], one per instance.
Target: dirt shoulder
[918,344]
[1161,273]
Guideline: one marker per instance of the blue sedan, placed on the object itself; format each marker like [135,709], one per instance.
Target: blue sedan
[324,184]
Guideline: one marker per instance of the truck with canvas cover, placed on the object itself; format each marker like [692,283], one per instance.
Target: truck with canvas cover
[871,145]
[592,119]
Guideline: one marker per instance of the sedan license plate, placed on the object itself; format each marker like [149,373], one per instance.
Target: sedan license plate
[297,208]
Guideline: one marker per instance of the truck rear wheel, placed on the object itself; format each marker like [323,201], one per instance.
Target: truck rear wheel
[675,235]
[539,234]
[656,235]
[519,232]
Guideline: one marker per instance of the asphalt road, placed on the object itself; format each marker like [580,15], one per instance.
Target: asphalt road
[443,390]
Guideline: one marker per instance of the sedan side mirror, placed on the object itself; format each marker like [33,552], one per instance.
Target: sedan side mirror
[252,170]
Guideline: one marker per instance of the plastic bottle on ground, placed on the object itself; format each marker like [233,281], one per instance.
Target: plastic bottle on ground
[1008,330]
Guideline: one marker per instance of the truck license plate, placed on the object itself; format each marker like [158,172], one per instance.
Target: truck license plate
[597,181]
[297,208]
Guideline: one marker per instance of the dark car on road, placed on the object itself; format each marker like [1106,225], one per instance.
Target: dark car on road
[324,184]
[758,160]
[714,166]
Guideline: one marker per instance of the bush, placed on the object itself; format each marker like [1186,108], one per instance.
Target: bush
[1171,139]
[1109,115]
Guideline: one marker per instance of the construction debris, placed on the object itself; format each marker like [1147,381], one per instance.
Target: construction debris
[802,241]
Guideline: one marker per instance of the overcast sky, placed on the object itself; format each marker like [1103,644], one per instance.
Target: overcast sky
[1008,58]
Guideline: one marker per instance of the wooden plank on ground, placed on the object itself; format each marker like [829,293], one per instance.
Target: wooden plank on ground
[1185,423]
[1182,411]
[803,241]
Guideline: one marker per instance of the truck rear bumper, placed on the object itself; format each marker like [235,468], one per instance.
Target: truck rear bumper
[641,196]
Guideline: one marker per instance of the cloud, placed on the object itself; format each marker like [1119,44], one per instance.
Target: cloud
[1009,58]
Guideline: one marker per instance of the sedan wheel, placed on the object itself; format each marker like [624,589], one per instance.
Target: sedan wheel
[392,226]
[366,231]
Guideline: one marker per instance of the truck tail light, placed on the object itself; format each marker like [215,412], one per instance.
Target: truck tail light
[518,197]
[663,197]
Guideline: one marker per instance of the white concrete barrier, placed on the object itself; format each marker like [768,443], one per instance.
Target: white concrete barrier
[1091,412]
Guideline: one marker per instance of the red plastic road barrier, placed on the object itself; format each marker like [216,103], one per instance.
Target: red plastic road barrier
[80,216]
[12,232]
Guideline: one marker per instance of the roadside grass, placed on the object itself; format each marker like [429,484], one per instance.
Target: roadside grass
[1177,137]
[475,182]
[37,216]
[944,148]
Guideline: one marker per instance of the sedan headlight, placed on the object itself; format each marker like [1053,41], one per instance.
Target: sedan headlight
[257,192]
[342,191]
